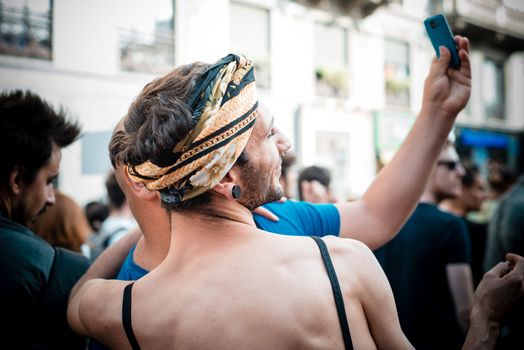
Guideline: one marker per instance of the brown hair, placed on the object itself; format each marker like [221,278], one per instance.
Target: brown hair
[159,117]
[157,120]
[63,224]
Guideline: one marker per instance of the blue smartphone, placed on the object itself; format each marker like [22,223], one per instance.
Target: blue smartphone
[440,34]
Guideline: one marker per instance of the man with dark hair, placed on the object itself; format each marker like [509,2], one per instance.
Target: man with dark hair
[473,194]
[313,185]
[36,278]
[427,264]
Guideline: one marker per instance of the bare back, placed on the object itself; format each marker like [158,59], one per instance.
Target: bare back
[251,291]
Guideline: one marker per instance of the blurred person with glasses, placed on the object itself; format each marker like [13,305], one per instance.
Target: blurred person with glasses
[474,193]
[427,264]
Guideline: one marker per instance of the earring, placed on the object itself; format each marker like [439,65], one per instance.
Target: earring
[235,192]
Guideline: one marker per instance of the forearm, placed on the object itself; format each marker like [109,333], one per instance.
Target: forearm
[482,334]
[398,187]
[460,283]
[109,262]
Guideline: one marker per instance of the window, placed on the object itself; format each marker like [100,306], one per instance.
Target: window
[331,60]
[93,145]
[396,73]
[492,88]
[146,36]
[25,28]
[250,36]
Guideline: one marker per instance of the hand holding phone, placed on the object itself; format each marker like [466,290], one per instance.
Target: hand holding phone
[440,34]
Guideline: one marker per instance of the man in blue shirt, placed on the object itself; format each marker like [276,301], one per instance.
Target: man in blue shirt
[373,219]
[366,215]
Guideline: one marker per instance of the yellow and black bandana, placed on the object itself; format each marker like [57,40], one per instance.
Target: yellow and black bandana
[224,104]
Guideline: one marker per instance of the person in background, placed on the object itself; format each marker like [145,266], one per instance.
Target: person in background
[96,212]
[500,179]
[427,264]
[119,222]
[313,185]
[288,177]
[63,224]
[36,277]
[506,234]
[474,193]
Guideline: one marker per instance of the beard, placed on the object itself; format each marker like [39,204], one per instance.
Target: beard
[257,189]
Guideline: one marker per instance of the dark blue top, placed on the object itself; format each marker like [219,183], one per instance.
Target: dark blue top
[415,264]
[34,289]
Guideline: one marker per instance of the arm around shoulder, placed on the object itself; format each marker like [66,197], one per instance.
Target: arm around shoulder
[87,299]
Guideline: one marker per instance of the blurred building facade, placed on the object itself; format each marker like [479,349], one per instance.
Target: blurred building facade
[491,129]
[344,79]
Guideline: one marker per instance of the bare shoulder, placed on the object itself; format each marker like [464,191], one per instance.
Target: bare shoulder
[100,308]
[347,248]
[353,261]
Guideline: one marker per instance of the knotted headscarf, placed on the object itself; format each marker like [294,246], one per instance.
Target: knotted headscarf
[223,105]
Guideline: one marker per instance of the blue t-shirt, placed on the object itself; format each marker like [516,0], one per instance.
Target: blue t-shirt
[129,270]
[295,219]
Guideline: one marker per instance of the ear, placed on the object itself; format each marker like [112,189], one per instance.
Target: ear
[225,187]
[15,181]
[138,189]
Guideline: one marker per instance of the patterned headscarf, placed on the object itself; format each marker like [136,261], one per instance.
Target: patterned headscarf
[224,104]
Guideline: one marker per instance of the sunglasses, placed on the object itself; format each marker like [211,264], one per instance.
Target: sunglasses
[450,164]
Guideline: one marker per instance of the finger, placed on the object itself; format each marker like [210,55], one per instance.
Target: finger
[282,200]
[514,259]
[500,269]
[442,64]
[465,44]
[465,65]
[266,213]
[459,77]
[460,41]
[457,39]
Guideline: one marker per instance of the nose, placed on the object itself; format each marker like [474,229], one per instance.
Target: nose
[460,170]
[50,195]
[283,143]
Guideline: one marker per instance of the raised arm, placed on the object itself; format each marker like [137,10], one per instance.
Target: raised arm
[377,216]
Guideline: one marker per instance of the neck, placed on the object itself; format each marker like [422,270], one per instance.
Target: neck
[221,219]
[153,247]
[454,206]
[429,197]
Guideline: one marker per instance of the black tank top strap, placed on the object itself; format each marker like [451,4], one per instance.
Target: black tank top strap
[126,317]
[337,294]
